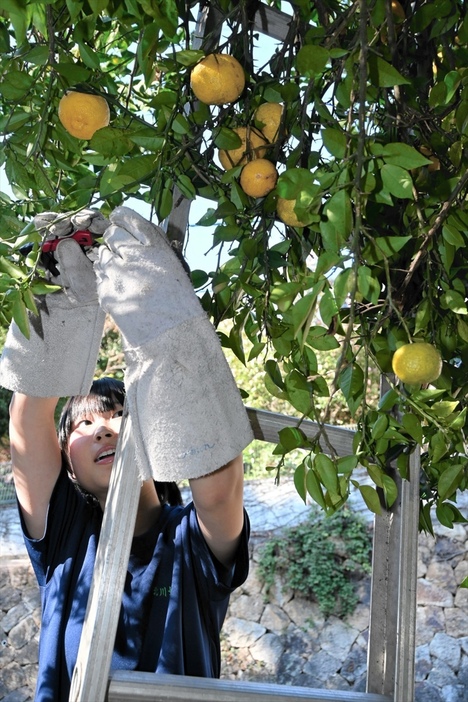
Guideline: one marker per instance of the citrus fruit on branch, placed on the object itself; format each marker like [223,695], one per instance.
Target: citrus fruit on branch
[268,118]
[417,363]
[258,177]
[217,79]
[253,146]
[285,211]
[82,114]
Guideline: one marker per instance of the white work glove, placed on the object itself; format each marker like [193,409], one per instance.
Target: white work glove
[186,410]
[60,357]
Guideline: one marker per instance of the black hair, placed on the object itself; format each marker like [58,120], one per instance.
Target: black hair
[105,394]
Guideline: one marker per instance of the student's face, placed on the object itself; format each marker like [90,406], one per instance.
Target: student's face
[91,446]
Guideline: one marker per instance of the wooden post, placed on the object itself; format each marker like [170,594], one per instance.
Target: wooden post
[392,624]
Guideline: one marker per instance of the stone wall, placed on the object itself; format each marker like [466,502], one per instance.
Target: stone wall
[284,638]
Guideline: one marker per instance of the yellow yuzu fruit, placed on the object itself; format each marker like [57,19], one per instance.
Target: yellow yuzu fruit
[417,363]
[399,17]
[268,115]
[82,114]
[398,11]
[251,147]
[258,177]
[285,211]
[435,165]
[217,79]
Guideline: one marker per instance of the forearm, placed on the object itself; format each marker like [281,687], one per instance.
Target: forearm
[218,499]
[35,456]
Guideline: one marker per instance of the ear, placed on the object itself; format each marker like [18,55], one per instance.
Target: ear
[71,473]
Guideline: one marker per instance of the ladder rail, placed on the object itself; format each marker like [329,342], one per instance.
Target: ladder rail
[90,676]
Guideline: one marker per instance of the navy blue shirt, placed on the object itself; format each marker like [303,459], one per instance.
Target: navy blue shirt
[175,596]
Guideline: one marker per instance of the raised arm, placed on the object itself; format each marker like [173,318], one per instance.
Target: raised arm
[58,359]
[35,457]
[218,499]
[187,414]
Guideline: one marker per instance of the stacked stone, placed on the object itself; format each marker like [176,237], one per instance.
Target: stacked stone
[19,630]
[285,639]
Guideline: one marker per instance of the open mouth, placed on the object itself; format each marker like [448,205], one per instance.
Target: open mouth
[107,454]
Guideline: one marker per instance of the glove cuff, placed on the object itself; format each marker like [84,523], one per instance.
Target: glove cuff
[187,412]
[60,357]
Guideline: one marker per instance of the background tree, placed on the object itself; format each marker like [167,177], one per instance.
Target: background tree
[371,149]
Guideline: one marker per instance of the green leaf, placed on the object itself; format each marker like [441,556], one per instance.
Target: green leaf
[314,489]
[412,424]
[19,313]
[335,142]
[292,438]
[370,497]
[339,212]
[227,139]
[444,514]
[367,285]
[189,57]
[292,182]
[319,338]
[138,167]
[390,490]
[397,181]
[40,286]
[384,247]
[273,371]
[351,381]
[180,125]
[199,278]
[15,84]
[12,269]
[453,236]
[383,75]
[438,446]
[186,186]
[299,391]
[379,427]
[346,464]
[72,72]
[450,480]
[89,57]
[452,80]
[29,301]
[399,154]
[328,307]
[300,481]
[311,60]
[110,141]
[327,472]
[97,6]
[444,409]
[454,301]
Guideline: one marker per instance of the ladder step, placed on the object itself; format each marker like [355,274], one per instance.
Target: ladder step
[129,686]
[267,425]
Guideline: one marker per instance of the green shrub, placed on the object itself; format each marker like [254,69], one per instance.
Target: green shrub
[5,396]
[322,558]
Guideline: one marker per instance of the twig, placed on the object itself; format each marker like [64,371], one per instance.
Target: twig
[439,220]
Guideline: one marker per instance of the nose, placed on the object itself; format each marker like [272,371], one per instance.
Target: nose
[103,432]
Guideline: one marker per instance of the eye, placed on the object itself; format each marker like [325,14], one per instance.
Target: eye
[83,422]
[117,414]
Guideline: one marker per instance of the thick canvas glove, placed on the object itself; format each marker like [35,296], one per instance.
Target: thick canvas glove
[60,357]
[186,410]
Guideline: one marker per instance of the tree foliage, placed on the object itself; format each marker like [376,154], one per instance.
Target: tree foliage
[372,148]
